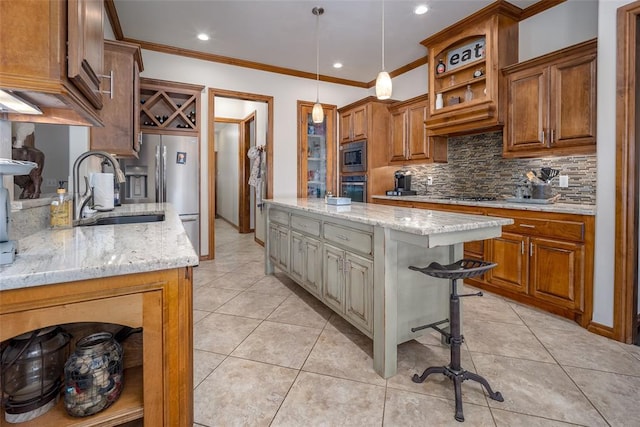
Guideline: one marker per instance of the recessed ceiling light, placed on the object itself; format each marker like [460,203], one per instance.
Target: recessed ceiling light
[421,9]
[204,37]
[337,65]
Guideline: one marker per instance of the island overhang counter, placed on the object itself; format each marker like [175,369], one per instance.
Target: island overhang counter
[355,259]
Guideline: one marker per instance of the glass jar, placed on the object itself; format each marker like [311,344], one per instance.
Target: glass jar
[93,375]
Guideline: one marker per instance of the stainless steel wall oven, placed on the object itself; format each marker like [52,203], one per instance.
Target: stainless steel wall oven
[354,187]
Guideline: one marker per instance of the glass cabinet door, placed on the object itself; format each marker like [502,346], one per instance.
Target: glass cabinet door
[316,158]
[316,153]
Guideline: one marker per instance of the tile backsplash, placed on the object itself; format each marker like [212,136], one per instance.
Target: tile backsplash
[476,168]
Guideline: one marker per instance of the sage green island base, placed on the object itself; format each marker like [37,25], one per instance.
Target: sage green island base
[356,259]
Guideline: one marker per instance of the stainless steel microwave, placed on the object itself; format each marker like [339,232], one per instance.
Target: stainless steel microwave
[353,157]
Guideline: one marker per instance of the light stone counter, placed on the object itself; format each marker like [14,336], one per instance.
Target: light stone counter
[356,258]
[569,208]
[431,224]
[79,253]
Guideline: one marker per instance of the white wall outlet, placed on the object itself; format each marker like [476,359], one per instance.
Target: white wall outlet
[564,181]
[429,180]
[50,182]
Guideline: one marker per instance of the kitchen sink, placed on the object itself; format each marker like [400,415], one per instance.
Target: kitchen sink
[125,219]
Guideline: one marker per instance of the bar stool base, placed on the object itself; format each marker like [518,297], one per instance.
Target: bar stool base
[458,377]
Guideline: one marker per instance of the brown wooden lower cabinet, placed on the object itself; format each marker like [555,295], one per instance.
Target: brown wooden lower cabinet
[557,272]
[158,377]
[509,252]
[544,259]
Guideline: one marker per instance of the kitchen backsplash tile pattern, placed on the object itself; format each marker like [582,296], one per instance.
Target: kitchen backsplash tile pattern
[476,168]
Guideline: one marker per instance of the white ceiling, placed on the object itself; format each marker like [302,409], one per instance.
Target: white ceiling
[282,32]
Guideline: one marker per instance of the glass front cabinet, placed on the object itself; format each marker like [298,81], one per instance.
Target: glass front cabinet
[316,152]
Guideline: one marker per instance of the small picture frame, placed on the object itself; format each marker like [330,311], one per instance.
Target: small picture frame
[181,158]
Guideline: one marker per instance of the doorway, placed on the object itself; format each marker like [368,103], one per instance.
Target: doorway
[256,129]
[626,319]
[234,196]
[228,169]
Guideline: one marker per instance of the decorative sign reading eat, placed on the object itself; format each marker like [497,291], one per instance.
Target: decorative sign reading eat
[465,54]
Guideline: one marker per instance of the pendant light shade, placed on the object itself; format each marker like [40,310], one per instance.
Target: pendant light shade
[317,114]
[383,85]
[383,81]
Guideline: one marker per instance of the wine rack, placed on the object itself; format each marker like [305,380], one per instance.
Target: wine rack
[169,107]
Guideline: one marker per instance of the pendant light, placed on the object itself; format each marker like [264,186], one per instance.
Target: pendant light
[383,81]
[317,114]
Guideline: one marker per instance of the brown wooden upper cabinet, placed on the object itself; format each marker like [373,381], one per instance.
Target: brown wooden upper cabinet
[409,140]
[551,104]
[121,111]
[85,48]
[464,70]
[52,57]
[353,124]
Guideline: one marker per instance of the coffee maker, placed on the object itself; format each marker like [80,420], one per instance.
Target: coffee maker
[402,180]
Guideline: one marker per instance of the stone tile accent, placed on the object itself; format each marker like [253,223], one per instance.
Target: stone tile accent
[476,167]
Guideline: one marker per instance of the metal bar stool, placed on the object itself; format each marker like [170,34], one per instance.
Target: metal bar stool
[459,270]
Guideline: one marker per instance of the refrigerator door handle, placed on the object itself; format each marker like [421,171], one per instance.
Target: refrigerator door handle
[157,174]
[190,219]
[164,173]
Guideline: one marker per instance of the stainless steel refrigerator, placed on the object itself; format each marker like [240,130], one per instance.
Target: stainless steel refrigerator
[167,171]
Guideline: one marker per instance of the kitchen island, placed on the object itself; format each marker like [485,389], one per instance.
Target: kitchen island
[355,259]
[136,275]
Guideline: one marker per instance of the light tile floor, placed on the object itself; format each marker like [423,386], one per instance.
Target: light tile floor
[268,353]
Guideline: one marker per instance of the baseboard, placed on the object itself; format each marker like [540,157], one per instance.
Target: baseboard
[597,328]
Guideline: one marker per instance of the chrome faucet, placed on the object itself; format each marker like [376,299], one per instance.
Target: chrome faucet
[79,201]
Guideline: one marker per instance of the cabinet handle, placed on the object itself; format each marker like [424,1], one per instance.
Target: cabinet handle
[347,265]
[530,248]
[522,247]
[527,226]
[110,91]
[542,136]
[552,138]
[342,237]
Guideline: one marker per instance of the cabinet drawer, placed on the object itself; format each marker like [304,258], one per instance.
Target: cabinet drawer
[305,225]
[569,230]
[349,238]
[279,216]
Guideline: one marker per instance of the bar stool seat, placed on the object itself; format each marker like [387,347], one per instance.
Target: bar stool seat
[461,269]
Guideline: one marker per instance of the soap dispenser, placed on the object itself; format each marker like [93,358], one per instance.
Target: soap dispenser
[61,208]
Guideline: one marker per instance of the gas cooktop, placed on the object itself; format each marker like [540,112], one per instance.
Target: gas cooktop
[476,198]
[470,198]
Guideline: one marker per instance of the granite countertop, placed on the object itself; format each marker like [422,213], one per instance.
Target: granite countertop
[79,253]
[422,222]
[569,208]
